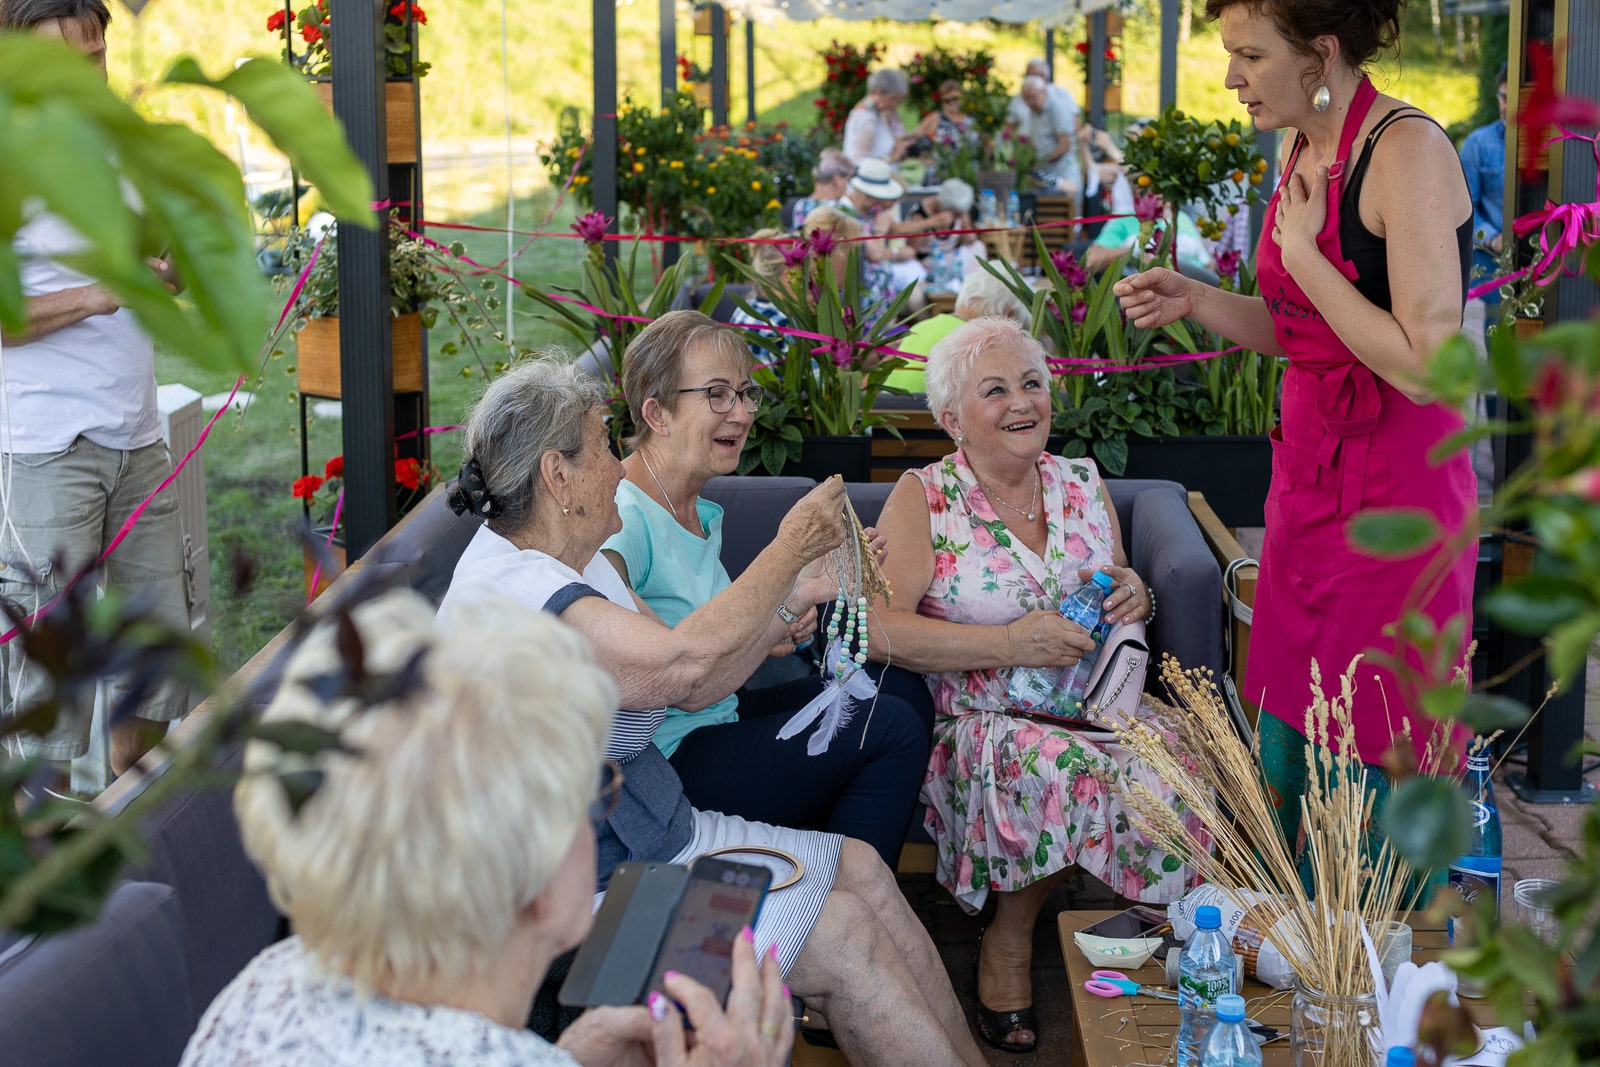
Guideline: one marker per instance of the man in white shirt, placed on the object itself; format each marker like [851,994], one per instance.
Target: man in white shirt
[1060,95]
[1051,128]
[81,446]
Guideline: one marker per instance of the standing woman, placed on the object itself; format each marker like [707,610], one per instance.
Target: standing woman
[1364,275]
[874,129]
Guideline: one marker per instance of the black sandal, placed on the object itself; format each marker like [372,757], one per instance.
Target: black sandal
[995,1026]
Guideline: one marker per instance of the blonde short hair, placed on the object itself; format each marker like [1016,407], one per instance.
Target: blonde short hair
[652,365]
[767,259]
[836,222]
[458,801]
[950,360]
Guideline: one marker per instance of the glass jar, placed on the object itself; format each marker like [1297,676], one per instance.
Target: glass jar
[1327,1031]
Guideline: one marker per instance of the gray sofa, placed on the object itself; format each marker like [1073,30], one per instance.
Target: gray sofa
[129,988]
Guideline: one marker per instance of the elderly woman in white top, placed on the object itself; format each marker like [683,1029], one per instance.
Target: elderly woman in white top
[540,471]
[445,859]
[874,129]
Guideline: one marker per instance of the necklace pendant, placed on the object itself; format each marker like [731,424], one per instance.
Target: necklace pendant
[1030,516]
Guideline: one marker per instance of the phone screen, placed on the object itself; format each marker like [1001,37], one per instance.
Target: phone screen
[1135,922]
[720,899]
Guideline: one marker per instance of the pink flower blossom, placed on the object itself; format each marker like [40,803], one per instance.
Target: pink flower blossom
[944,564]
[939,759]
[1077,497]
[1050,804]
[1067,265]
[591,227]
[823,242]
[1011,842]
[1077,547]
[1029,736]
[795,255]
[1079,312]
[1132,883]
[1147,207]
[1085,788]
[936,501]
[1228,264]
[963,870]
[1000,563]
[983,538]
[1052,745]
[1585,483]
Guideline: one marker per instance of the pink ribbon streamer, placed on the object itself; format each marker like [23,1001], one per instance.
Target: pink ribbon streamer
[316,575]
[1563,229]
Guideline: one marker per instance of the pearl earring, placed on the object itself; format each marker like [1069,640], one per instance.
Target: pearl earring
[565,510]
[961,438]
[1321,98]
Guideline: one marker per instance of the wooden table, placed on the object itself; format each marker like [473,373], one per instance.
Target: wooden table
[1100,1039]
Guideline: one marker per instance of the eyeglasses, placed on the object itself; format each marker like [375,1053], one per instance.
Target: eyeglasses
[609,795]
[952,99]
[720,397]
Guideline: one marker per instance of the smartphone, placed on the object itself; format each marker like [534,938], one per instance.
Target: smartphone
[1137,921]
[720,899]
[616,958]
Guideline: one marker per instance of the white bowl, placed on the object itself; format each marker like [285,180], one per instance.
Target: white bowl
[1120,953]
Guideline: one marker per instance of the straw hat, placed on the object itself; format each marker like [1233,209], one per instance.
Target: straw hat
[876,179]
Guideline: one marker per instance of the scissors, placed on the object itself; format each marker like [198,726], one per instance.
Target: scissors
[1116,984]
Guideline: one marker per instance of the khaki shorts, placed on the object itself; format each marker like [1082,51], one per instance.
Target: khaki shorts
[63,508]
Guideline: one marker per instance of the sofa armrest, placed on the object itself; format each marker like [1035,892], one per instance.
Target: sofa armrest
[1167,549]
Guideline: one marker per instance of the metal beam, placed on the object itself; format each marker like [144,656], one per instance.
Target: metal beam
[1097,70]
[719,65]
[1050,53]
[749,69]
[366,367]
[604,182]
[669,51]
[1169,53]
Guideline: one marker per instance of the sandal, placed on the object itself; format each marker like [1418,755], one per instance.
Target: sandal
[996,1026]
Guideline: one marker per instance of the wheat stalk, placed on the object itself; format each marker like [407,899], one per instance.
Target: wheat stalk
[1194,748]
[873,583]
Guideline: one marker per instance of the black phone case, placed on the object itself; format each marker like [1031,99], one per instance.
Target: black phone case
[616,959]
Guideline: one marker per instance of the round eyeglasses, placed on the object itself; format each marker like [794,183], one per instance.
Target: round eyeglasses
[609,795]
[720,397]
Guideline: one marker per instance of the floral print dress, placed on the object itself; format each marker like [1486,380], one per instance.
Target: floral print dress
[1010,799]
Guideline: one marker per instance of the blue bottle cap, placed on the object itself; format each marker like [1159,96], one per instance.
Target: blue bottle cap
[1103,580]
[1230,1008]
[1400,1056]
[1208,917]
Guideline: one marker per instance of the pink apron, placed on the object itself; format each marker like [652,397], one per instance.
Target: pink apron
[1348,441]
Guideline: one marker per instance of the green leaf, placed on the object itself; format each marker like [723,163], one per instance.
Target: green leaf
[1393,533]
[285,106]
[1568,646]
[1452,373]
[1444,702]
[1428,821]
[1112,454]
[1537,603]
[1510,377]
[1488,712]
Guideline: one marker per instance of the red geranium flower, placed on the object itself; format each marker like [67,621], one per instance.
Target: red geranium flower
[305,487]
[417,14]
[408,472]
[312,34]
[334,469]
[276,20]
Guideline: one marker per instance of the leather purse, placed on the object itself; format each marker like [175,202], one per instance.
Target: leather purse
[1115,683]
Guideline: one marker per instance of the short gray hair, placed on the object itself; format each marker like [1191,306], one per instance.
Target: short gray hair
[1033,81]
[536,406]
[983,295]
[951,359]
[1039,62]
[833,164]
[956,195]
[454,803]
[888,80]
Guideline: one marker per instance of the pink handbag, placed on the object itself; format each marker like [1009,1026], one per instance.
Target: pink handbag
[1115,684]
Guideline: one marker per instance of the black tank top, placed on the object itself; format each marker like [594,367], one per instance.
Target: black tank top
[1365,250]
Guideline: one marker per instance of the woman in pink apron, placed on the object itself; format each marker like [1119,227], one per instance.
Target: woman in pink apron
[1362,276]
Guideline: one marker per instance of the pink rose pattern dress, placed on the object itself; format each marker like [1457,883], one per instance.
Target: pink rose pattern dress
[1011,800]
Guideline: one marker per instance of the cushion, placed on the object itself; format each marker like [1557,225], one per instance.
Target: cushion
[1165,546]
[113,992]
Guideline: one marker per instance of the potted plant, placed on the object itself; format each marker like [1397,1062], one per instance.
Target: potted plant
[315,27]
[697,78]
[846,81]
[422,280]
[322,498]
[824,377]
[1112,98]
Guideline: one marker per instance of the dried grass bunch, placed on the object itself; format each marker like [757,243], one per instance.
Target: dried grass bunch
[1355,892]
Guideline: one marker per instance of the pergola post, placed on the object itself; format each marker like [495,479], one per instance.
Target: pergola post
[749,69]
[1050,53]
[604,149]
[1097,70]
[669,51]
[1169,54]
[719,65]
[366,369]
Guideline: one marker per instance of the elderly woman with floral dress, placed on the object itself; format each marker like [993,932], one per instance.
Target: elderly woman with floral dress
[986,543]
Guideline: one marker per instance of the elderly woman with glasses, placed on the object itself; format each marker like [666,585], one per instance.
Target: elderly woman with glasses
[445,860]
[947,128]
[540,471]
[688,385]
[988,542]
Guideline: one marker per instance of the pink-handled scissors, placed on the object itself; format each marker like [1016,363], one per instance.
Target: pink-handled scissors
[1117,984]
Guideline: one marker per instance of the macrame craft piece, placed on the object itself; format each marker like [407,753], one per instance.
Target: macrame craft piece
[860,580]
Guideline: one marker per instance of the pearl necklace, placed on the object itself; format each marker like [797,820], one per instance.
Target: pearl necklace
[664,494]
[1030,511]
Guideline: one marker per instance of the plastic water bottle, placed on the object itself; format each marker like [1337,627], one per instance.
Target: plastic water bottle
[1400,1056]
[1036,687]
[1230,1043]
[1206,972]
[1088,609]
[1478,871]
[1013,209]
[987,207]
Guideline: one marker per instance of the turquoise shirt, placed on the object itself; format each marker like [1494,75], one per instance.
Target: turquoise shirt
[676,573]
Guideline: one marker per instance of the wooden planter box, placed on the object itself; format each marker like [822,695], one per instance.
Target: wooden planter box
[318,342]
[703,24]
[702,93]
[400,113]
[823,457]
[320,535]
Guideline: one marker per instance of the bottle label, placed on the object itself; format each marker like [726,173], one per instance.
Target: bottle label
[1480,814]
[1472,877]
[1204,988]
